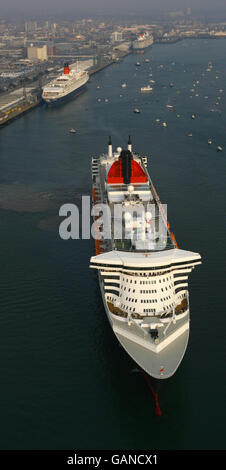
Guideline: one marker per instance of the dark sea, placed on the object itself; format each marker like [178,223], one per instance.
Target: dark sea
[65,381]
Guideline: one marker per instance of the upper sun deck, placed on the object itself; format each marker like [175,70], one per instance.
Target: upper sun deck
[111,172]
[125,185]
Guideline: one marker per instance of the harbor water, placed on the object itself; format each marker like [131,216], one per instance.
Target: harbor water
[65,381]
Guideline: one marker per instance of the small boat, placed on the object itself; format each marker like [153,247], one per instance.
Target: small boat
[106,100]
[72,131]
[164,124]
[146,60]
[146,89]
[123,85]
[99,99]
[157,120]
[219,148]
[210,141]
[190,135]
[171,85]
[169,106]
[138,64]
[193,116]
[136,111]
[98,87]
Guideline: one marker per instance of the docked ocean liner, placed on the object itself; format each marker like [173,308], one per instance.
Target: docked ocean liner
[144,40]
[66,85]
[143,275]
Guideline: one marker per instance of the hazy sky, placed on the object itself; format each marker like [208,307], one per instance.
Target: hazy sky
[107,6]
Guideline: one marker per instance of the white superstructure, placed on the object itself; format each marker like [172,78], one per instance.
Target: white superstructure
[143,275]
[66,84]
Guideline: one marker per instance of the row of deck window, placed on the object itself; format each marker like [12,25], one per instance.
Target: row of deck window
[131,300]
[154,291]
[146,282]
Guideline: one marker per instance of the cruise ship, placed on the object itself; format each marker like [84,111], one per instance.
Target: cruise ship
[66,85]
[144,40]
[143,275]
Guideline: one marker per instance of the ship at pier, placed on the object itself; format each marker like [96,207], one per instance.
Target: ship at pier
[143,274]
[144,40]
[65,86]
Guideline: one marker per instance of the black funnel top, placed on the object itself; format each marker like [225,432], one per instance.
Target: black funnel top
[126,157]
[109,141]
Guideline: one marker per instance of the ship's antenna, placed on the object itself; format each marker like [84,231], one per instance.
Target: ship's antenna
[109,147]
[130,144]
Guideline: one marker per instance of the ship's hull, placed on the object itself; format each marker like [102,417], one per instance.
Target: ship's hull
[137,45]
[143,275]
[65,98]
[159,365]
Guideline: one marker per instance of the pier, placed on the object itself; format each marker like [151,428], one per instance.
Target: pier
[18,102]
